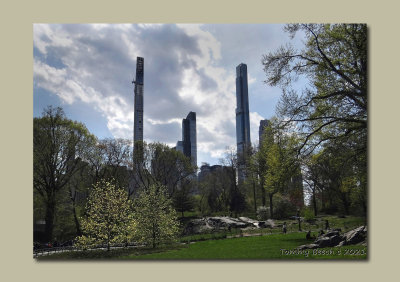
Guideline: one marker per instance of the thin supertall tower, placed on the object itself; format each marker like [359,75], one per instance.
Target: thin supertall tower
[242,117]
[138,115]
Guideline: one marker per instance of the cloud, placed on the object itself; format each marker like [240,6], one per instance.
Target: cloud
[94,65]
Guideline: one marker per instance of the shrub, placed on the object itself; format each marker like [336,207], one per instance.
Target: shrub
[283,208]
[263,213]
[308,215]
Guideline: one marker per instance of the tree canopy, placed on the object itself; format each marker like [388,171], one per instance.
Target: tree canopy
[109,217]
[59,146]
[334,104]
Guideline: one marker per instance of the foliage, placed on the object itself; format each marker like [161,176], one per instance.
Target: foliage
[157,163]
[308,214]
[59,146]
[262,213]
[283,207]
[183,199]
[155,217]
[280,166]
[109,217]
[334,105]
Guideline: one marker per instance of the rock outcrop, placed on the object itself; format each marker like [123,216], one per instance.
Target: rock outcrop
[333,239]
[218,223]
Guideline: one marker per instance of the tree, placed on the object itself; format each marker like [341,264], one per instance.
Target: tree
[237,202]
[109,217]
[155,217]
[335,176]
[334,105]
[279,158]
[182,199]
[157,163]
[59,146]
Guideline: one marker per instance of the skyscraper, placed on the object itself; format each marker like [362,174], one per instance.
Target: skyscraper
[263,124]
[242,109]
[138,115]
[242,116]
[188,145]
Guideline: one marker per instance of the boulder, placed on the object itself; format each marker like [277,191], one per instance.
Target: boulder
[331,233]
[355,236]
[198,226]
[266,224]
[333,239]
[249,221]
[308,246]
[228,222]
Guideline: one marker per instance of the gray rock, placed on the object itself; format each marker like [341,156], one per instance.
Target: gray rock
[323,242]
[331,233]
[308,246]
[224,221]
[355,236]
[249,221]
[198,226]
[266,224]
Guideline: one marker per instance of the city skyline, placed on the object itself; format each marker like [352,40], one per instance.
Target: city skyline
[188,68]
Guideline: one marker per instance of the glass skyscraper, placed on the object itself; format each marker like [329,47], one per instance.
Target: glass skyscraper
[242,110]
[188,145]
[263,123]
[242,118]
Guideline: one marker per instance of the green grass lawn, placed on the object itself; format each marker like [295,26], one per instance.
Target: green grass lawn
[272,245]
[277,246]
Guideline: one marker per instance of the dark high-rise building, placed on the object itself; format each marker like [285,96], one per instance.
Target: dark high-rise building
[189,137]
[263,123]
[242,116]
[242,109]
[138,115]
[188,145]
[179,146]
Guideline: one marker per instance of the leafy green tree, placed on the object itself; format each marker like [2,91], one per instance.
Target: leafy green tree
[183,199]
[237,201]
[157,163]
[109,217]
[334,104]
[155,216]
[278,151]
[59,146]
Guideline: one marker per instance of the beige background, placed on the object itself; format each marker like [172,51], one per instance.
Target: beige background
[16,136]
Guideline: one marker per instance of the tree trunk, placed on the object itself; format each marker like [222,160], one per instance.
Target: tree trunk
[255,199]
[77,225]
[345,204]
[49,217]
[263,196]
[314,203]
[271,205]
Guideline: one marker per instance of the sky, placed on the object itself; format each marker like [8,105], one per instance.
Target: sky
[87,69]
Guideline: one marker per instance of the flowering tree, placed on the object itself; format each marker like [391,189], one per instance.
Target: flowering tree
[155,217]
[109,217]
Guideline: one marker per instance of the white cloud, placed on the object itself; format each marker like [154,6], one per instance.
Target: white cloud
[254,126]
[182,75]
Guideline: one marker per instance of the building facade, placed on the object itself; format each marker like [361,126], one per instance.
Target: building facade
[188,145]
[138,114]
[263,123]
[242,117]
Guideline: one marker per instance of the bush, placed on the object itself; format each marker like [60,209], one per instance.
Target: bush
[283,208]
[263,213]
[308,215]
